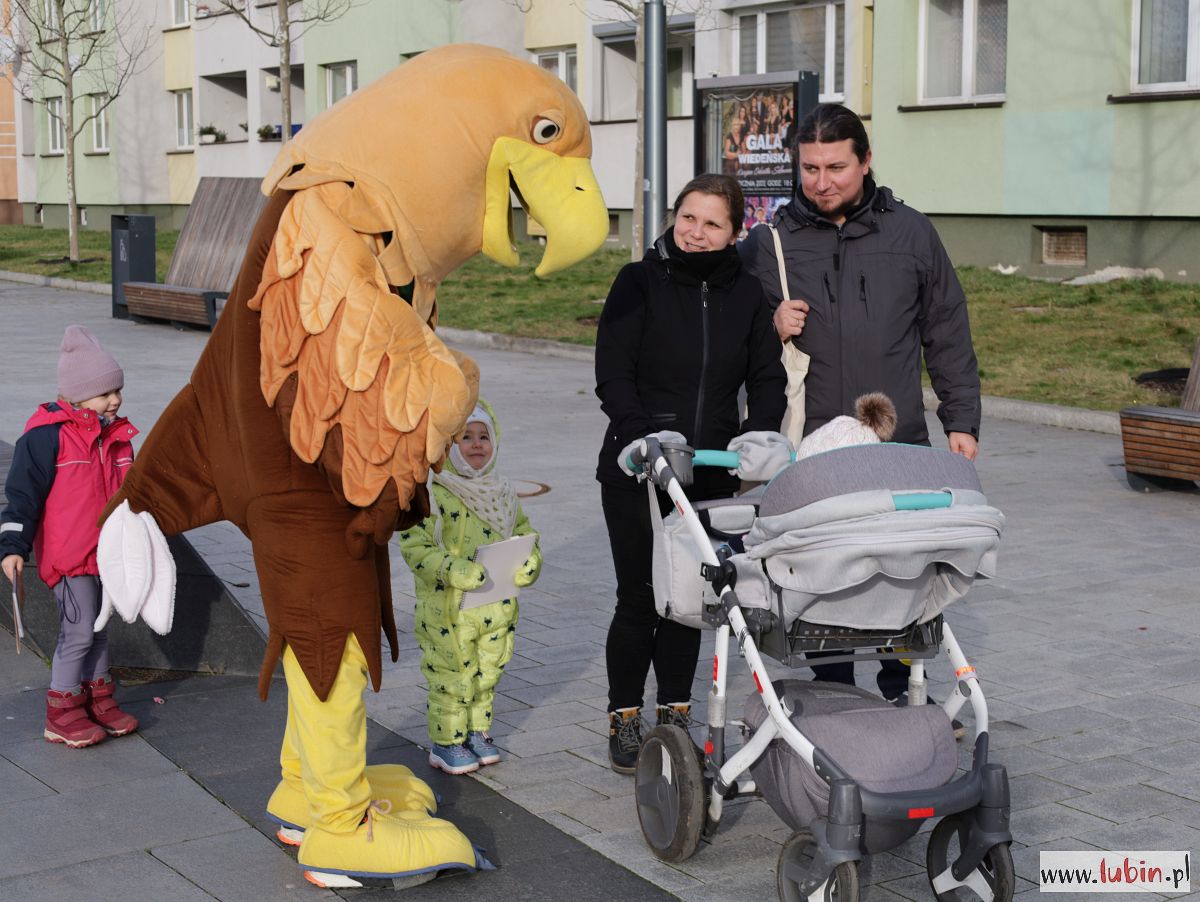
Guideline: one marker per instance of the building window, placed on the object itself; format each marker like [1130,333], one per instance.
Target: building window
[50,15]
[1064,246]
[55,138]
[561,63]
[96,15]
[341,79]
[99,110]
[618,77]
[1166,45]
[181,12]
[183,120]
[964,45]
[810,37]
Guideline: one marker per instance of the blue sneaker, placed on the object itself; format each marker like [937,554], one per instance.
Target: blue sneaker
[453,759]
[483,748]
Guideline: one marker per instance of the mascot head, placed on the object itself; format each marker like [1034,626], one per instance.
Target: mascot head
[449,133]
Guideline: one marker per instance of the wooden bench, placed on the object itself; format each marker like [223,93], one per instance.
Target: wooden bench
[207,257]
[1164,442]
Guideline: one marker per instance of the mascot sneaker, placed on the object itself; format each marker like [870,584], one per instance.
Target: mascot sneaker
[407,845]
[394,783]
[481,746]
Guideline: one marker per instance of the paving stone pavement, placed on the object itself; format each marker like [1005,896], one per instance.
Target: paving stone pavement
[1085,641]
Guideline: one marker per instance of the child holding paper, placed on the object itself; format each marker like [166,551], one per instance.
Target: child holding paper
[464,650]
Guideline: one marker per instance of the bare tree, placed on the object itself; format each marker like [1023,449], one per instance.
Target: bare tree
[63,44]
[285,22]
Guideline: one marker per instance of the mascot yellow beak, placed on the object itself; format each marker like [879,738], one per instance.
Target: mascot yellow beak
[559,192]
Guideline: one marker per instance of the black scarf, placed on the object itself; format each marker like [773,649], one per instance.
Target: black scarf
[719,266]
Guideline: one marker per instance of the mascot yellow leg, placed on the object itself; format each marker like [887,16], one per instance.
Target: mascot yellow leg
[288,805]
[350,836]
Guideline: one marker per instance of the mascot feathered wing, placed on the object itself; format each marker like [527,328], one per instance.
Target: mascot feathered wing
[324,396]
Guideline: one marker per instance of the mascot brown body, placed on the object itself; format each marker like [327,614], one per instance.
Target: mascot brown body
[323,398]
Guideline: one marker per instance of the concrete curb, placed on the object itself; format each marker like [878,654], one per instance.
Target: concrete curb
[55,282]
[1103,421]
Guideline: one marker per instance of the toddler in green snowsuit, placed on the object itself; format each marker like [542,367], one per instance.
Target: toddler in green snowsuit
[463,652]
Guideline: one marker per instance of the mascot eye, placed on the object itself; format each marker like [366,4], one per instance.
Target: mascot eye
[546,130]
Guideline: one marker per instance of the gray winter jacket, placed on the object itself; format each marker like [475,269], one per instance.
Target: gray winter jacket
[881,288]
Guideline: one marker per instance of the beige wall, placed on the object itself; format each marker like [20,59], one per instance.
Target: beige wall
[552,23]
[8,128]
[179,65]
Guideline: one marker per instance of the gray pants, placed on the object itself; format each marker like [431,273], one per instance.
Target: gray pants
[80,654]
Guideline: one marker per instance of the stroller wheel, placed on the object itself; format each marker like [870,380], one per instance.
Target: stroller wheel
[669,790]
[994,880]
[796,862]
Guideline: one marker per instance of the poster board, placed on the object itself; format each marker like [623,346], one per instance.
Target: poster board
[745,127]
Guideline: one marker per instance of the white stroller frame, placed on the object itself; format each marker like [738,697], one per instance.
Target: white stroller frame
[974,806]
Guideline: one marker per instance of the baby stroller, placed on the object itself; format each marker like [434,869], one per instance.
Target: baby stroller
[857,552]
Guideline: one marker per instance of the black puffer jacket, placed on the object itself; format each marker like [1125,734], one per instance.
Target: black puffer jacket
[679,335]
[881,288]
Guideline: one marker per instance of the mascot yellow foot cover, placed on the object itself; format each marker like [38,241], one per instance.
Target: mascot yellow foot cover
[324,397]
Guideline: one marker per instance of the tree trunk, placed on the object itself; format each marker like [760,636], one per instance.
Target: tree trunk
[68,132]
[284,37]
[639,158]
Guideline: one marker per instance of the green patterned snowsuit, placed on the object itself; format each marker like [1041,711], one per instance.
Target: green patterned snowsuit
[462,652]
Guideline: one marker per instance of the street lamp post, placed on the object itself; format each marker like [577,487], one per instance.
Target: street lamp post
[654,125]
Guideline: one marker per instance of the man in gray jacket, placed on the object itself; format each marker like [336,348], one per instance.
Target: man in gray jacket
[871,288]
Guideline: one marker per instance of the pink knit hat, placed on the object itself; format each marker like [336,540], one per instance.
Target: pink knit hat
[86,370]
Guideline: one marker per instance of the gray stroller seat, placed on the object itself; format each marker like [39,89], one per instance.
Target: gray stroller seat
[882,747]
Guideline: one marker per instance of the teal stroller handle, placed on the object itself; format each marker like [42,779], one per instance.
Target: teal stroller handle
[726,459]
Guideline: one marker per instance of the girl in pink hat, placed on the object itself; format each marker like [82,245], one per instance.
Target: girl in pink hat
[71,459]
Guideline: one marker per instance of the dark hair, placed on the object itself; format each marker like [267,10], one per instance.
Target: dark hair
[724,186]
[828,123]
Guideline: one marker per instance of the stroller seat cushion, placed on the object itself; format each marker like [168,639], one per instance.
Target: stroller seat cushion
[883,748]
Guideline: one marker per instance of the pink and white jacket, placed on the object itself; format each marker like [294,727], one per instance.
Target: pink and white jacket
[65,468]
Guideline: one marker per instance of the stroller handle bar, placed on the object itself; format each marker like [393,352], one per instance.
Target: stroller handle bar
[728,460]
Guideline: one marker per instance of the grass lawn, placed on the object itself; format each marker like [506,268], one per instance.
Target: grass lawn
[1036,341]
[43,252]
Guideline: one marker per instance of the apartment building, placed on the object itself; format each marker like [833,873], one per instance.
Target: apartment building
[1058,138]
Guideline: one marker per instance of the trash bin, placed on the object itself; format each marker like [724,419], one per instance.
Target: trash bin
[132,257]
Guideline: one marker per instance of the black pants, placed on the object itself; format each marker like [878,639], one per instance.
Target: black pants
[638,637]
[892,677]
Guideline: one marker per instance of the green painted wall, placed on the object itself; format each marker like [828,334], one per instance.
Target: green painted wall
[1166,244]
[1056,146]
[379,36]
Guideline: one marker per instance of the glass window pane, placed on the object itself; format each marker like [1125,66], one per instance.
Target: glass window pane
[619,80]
[943,48]
[572,75]
[991,46]
[549,62]
[1162,56]
[674,81]
[839,52]
[747,45]
[796,40]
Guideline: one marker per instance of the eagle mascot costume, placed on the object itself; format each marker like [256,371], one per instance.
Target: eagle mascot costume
[324,397]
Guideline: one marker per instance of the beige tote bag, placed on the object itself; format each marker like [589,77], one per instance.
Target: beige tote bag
[795,362]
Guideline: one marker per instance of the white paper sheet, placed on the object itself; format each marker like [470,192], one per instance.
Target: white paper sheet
[501,560]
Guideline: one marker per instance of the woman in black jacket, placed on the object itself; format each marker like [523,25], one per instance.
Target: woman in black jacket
[682,331]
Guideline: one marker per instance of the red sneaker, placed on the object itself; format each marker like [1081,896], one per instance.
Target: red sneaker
[67,721]
[102,707]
